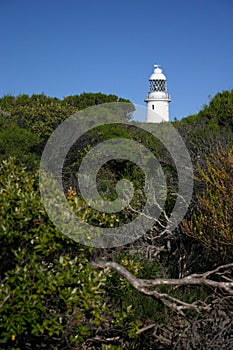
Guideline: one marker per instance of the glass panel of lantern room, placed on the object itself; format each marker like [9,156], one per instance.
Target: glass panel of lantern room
[157,85]
[151,85]
[163,85]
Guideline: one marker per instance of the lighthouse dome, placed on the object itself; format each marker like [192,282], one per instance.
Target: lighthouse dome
[157,74]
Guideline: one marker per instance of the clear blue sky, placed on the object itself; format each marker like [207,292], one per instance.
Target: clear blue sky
[66,47]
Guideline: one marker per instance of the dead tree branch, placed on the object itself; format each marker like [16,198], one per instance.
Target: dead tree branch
[145,286]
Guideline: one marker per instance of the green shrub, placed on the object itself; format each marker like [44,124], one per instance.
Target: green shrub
[49,294]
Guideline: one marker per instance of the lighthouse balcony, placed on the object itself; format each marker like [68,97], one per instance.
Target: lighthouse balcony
[158,95]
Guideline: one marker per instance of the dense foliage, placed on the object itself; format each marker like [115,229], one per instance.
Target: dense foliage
[51,297]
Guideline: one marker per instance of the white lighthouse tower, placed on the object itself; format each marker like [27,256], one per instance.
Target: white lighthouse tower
[158,99]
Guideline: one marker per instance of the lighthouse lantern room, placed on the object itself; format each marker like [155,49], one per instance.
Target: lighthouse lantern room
[157,99]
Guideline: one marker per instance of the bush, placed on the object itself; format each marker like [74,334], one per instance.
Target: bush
[212,221]
[49,294]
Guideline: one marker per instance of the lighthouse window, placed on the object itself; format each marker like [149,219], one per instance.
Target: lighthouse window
[153,107]
[157,85]
[151,85]
[163,85]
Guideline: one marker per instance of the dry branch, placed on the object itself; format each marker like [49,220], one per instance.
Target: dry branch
[145,286]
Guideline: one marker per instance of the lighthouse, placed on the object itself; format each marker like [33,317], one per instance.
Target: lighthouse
[157,99]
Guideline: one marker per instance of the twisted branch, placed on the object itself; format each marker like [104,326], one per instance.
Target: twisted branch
[144,285]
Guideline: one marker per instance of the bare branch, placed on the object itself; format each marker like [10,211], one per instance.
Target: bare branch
[141,330]
[144,285]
